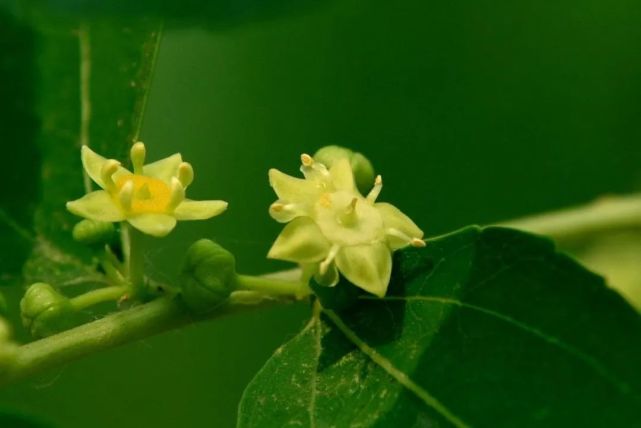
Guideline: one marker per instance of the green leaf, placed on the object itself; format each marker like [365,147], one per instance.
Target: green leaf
[79,82]
[484,327]
[220,14]
[16,420]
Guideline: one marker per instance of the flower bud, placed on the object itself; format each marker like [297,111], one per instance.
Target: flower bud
[44,311]
[208,275]
[362,167]
[92,232]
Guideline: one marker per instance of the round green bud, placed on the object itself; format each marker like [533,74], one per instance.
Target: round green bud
[361,166]
[92,232]
[44,311]
[208,275]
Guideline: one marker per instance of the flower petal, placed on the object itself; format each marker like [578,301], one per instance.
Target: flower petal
[301,241]
[367,266]
[292,189]
[98,206]
[158,225]
[163,169]
[393,218]
[342,175]
[92,162]
[199,210]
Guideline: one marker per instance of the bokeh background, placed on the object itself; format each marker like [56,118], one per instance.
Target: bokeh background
[473,112]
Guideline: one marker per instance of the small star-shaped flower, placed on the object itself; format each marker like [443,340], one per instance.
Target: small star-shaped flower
[333,228]
[151,198]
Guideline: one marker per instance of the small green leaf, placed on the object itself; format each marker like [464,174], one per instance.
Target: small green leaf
[484,327]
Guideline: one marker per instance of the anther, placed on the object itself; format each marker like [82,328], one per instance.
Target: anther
[185,174]
[137,155]
[306,160]
[418,243]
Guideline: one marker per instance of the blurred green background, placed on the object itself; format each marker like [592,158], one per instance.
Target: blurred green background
[473,112]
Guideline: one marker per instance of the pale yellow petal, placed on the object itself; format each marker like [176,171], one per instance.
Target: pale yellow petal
[301,241]
[158,225]
[98,206]
[394,219]
[199,210]
[342,175]
[164,169]
[292,189]
[367,266]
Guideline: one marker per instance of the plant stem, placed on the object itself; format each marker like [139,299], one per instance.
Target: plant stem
[603,215]
[273,286]
[134,256]
[113,330]
[98,296]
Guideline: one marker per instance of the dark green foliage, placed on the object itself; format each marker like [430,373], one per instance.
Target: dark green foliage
[484,327]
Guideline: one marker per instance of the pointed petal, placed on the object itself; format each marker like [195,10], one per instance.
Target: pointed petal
[342,175]
[163,169]
[393,218]
[98,206]
[199,210]
[92,162]
[367,266]
[158,225]
[301,241]
[292,189]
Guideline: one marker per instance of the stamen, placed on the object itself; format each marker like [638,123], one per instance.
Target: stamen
[324,265]
[312,169]
[414,242]
[126,195]
[137,155]
[185,174]
[108,170]
[376,190]
[349,216]
[177,194]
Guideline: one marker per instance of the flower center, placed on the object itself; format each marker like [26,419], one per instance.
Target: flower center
[348,219]
[149,195]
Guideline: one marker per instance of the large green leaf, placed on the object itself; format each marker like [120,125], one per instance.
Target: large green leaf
[82,82]
[484,327]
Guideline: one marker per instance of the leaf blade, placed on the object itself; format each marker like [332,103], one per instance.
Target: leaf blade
[484,327]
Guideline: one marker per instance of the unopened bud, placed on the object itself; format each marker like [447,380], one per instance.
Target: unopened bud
[208,275]
[361,166]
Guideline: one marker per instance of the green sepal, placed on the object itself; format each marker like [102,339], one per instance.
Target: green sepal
[93,232]
[361,166]
[337,298]
[208,276]
[45,311]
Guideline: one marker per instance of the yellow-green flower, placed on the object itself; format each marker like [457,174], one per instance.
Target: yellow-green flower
[332,227]
[151,198]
